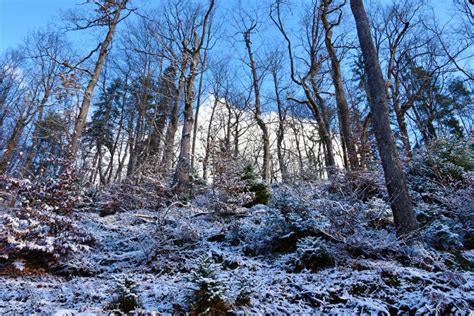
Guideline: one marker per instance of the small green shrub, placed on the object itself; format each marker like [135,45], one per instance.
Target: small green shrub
[312,254]
[208,294]
[245,291]
[447,162]
[259,188]
[126,299]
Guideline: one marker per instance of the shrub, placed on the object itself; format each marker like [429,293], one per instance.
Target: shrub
[362,185]
[244,292]
[312,254]
[447,161]
[37,223]
[126,299]
[229,190]
[259,188]
[40,236]
[207,296]
[442,237]
[61,194]
[127,195]
[259,233]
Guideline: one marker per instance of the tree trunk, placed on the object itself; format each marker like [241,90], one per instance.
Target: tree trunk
[11,144]
[281,131]
[258,111]
[402,126]
[182,177]
[172,127]
[400,201]
[198,103]
[341,100]
[183,168]
[28,164]
[208,141]
[82,117]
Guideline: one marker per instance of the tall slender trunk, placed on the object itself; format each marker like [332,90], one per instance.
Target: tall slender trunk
[208,141]
[183,168]
[28,164]
[400,111]
[400,200]
[12,143]
[172,125]
[281,131]
[182,176]
[198,102]
[84,109]
[236,136]
[341,100]
[402,126]
[323,128]
[258,111]
[135,146]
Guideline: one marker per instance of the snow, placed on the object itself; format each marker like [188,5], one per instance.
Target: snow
[161,260]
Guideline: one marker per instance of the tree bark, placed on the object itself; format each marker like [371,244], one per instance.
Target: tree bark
[166,160]
[12,143]
[281,131]
[198,103]
[258,111]
[84,109]
[28,164]
[341,100]
[182,177]
[208,140]
[183,168]
[400,200]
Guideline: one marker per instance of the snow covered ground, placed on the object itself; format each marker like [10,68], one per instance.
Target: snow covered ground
[158,251]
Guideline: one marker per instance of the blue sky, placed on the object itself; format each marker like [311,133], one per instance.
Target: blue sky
[18,17]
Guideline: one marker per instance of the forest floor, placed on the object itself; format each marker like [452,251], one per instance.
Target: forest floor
[159,252]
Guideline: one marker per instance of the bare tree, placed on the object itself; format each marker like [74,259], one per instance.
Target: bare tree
[327,9]
[400,201]
[308,81]
[275,70]
[109,14]
[258,105]
[183,167]
[44,49]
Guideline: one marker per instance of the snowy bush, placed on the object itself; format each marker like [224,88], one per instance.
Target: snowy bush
[378,213]
[38,225]
[258,233]
[447,162]
[256,186]
[127,195]
[126,297]
[442,237]
[312,254]
[229,190]
[60,194]
[40,236]
[245,290]
[362,185]
[207,295]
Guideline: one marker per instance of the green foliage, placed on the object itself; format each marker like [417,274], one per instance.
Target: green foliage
[448,162]
[127,296]
[313,254]
[207,296]
[52,137]
[245,291]
[260,189]
[99,130]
